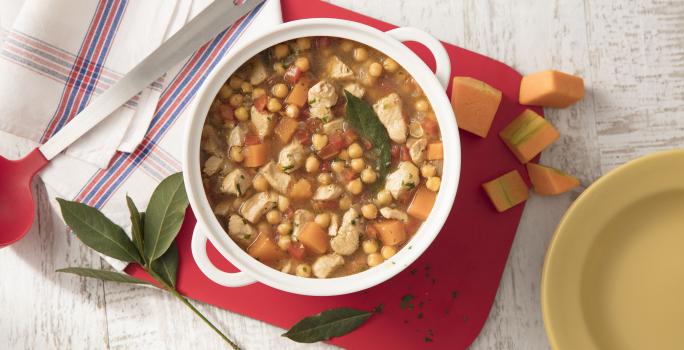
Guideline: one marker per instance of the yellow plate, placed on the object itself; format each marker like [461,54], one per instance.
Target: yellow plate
[614,272]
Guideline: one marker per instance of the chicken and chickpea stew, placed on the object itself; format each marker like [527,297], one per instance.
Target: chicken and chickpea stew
[321,157]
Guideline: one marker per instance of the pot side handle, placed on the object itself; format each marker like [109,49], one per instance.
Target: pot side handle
[442,60]
[199,253]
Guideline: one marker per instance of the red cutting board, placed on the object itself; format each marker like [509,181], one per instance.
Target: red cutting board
[454,282]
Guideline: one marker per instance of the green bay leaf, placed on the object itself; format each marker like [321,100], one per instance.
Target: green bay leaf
[164,216]
[328,324]
[363,119]
[98,232]
[136,225]
[167,265]
[103,275]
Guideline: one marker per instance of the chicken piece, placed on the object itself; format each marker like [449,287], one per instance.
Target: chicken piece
[326,265]
[237,135]
[292,157]
[334,224]
[355,89]
[322,94]
[338,69]
[263,122]
[223,207]
[240,230]
[257,205]
[300,217]
[278,180]
[390,114]
[391,213]
[211,143]
[327,192]
[337,125]
[236,183]
[259,73]
[402,180]
[416,149]
[322,113]
[213,165]
[347,239]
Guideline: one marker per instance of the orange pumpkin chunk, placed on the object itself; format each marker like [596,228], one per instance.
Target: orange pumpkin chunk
[435,151]
[506,191]
[285,129]
[551,88]
[314,238]
[422,203]
[550,181]
[391,232]
[264,249]
[301,190]
[255,155]
[298,95]
[528,134]
[475,104]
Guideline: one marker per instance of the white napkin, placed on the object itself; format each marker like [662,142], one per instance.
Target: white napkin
[27,95]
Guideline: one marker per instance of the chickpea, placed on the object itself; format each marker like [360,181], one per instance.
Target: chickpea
[280,90]
[368,80]
[284,242]
[278,68]
[347,46]
[415,129]
[225,92]
[260,183]
[345,202]
[388,251]
[273,105]
[235,100]
[390,65]
[422,105]
[368,176]
[274,216]
[324,178]
[375,69]
[292,111]
[235,82]
[370,246]
[283,203]
[344,155]
[369,211]
[319,141]
[337,166]
[312,164]
[384,197]
[374,259]
[428,170]
[236,154]
[355,150]
[323,219]
[281,51]
[358,164]
[284,228]
[304,43]
[433,183]
[303,270]
[355,186]
[303,64]
[246,87]
[258,92]
[360,54]
[241,114]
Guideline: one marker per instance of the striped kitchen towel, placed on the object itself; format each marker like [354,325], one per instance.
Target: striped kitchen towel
[27,61]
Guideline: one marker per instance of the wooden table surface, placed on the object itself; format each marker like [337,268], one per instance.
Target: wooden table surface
[630,54]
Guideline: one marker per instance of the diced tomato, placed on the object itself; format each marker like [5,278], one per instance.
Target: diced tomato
[313,124]
[328,205]
[304,114]
[328,151]
[366,144]
[431,127]
[325,166]
[296,250]
[394,151]
[348,174]
[322,41]
[260,103]
[303,136]
[371,231]
[292,74]
[287,214]
[226,112]
[337,140]
[251,139]
[349,137]
[404,154]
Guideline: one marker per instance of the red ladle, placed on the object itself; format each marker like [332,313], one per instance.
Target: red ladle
[16,200]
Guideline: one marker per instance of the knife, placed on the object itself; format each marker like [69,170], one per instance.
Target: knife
[206,25]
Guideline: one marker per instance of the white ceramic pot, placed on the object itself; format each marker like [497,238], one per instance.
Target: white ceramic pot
[433,85]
